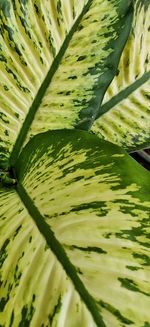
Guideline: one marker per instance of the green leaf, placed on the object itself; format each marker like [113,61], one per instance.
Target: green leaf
[95,199]
[124,114]
[34,288]
[56,59]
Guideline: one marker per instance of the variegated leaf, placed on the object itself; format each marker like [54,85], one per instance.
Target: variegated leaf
[125,113]
[34,288]
[95,198]
[56,60]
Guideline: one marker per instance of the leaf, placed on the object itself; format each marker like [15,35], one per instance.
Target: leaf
[95,199]
[34,288]
[124,114]
[56,60]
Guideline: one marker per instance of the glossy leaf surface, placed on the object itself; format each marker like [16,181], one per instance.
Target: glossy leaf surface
[99,213]
[125,112]
[55,64]
[34,288]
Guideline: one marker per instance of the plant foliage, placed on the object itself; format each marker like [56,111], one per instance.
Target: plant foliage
[74,226]
[125,111]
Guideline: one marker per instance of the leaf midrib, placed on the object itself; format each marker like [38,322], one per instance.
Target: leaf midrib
[60,254]
[123,94]
[43,88]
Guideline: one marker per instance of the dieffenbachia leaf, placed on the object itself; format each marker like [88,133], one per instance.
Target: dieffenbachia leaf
[56,60]
[34,288]
[125,112]
[95,199]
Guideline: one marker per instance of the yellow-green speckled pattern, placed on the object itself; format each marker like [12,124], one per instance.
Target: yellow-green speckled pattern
[127,121]
[52,56]
[34,288]
[100,215]
[73,87]
[32,33]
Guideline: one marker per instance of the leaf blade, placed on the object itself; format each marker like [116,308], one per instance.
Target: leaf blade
[28,266]
[32,36]
[103,220]
[125,110]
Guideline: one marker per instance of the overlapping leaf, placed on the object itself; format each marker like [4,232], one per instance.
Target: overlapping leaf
[125,113]
[56,61]
[99,212]
[74,231]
